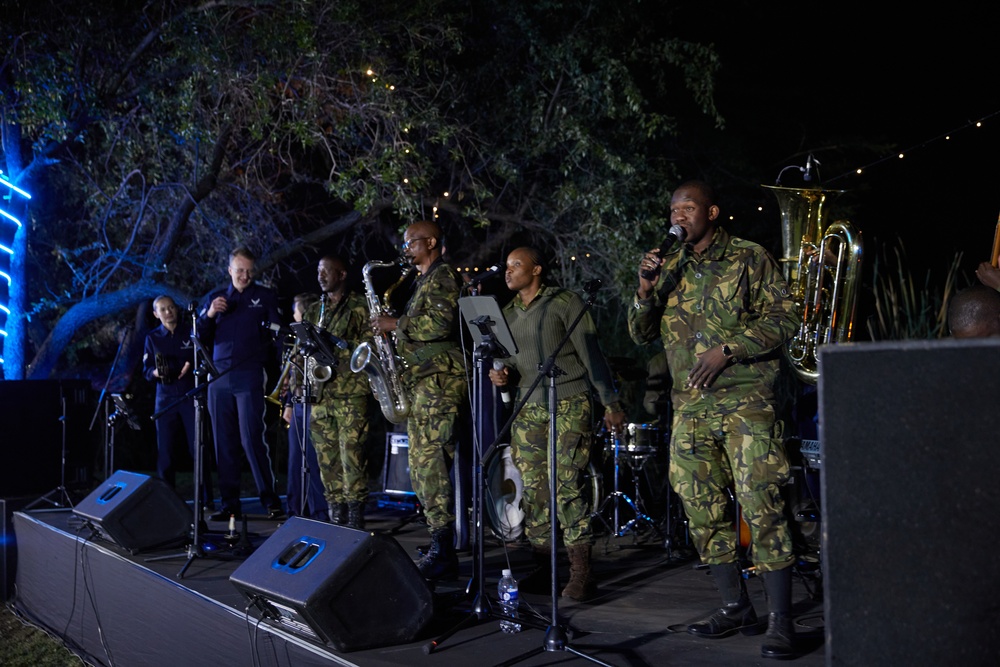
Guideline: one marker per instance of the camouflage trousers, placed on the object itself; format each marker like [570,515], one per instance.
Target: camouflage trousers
[339,431]
[432,432]
[529,449]
[743,450]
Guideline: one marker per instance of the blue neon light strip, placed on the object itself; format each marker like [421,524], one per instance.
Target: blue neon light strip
[4,181]
[10,217]
[9,252]
[4,308]
[4,275]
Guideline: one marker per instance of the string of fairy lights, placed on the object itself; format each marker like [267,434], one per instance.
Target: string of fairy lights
[947,136]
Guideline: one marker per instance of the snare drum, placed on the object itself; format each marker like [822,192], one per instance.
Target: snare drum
[640,440]
[502,494]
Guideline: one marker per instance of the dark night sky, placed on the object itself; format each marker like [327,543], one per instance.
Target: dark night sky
[813,77]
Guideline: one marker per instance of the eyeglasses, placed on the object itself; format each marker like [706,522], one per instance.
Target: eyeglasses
[406,244]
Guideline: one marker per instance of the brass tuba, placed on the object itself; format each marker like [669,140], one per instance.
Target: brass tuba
[380,361]
[822,265]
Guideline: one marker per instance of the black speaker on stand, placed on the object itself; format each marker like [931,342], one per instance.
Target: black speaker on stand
[348,588]
[137,512]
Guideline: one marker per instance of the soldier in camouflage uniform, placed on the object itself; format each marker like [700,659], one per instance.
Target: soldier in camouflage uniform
[723,311]
[435,381]
[338,423]
[539,316]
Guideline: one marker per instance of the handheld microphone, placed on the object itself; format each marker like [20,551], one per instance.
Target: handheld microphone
[488,273]
[591,286]
[193,306]
[504,394]
[675,235]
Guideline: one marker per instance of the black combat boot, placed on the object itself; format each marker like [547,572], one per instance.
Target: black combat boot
[338,514]
[779,640]
[736,614]
[356,514]
[440,561]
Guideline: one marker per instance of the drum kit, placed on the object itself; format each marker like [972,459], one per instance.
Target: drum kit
[639,501]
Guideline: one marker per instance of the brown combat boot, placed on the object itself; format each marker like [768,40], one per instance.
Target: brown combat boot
[581,586]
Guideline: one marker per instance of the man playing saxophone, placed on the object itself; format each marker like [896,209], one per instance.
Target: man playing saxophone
[435,380]
[339,419]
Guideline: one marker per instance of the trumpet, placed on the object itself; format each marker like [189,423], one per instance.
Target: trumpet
[286,368]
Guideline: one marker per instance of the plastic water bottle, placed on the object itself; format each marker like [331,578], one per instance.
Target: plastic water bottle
[507,592]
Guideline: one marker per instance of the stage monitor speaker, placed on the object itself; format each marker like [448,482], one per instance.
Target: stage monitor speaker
[909,502]
[348,588]
[137,512]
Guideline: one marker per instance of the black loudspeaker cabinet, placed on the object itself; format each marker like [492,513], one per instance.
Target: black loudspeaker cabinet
[910,499]
[137,512]
[348,588]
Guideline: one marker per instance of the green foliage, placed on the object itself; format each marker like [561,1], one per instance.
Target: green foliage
[510,122]
[905,310]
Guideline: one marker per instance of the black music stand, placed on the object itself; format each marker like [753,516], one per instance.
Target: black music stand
[317,343]
[486,323]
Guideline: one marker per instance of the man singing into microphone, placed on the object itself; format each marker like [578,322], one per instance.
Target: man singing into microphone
[723,310]
[539,317]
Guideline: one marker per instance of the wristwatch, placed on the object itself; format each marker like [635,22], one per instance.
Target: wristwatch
[726,350]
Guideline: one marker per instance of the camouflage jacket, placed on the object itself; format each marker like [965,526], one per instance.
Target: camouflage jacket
[427,333]
[348,320]
[734,293]
[540,326]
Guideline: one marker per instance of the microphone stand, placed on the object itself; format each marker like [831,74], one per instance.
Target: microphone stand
[306,399]
[202,366]
[556,637]
[489,348]
[109,437]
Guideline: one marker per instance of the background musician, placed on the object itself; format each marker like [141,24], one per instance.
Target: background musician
[293,413]
[974,312]
[339,423]
[435,381]
[723,309]
[166,360]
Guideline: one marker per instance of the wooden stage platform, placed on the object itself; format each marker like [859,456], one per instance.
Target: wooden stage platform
[167,607]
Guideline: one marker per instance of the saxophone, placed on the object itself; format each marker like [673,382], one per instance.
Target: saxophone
[380,361]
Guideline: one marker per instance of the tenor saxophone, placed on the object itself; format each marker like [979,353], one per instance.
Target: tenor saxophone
[380,361]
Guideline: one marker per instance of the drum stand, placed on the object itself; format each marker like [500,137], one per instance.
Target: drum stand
[615,498]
